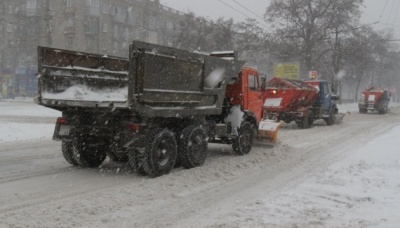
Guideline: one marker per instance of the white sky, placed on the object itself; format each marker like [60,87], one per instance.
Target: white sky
[375,10]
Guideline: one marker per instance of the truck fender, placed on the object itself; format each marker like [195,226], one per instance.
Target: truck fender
[250,117]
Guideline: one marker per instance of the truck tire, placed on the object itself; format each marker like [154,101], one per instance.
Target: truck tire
[363,110]
[192,149]
[330,120]
[383,111]
[307,121]
[86,156]
[66,148]
[136,161]
[244,142]
[160,152]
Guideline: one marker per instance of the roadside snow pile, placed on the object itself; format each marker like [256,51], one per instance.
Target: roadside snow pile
[25,108]
[359,191]
[25,126]
[10,132]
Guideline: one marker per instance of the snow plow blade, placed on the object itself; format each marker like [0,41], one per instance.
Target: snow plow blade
[339,117]
[267,133]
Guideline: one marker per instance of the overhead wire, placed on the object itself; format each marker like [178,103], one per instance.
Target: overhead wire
[390,22]
[247,16]
[244,7]
[380,17]
[397,10]
[391,9]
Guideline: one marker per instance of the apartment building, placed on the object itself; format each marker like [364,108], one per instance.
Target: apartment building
[98,26]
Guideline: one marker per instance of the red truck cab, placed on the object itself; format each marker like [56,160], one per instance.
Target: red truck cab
[246,91]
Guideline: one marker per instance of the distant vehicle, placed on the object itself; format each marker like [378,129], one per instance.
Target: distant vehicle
[374,99]
[300,101]
[157,109]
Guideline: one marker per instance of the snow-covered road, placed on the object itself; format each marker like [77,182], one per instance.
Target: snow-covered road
[345,175]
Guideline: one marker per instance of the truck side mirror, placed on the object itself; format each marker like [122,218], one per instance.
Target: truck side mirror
[263,84]
[335,97]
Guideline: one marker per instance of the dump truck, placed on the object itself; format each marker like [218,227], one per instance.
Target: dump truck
[304,102]
[374,99]
[155,110]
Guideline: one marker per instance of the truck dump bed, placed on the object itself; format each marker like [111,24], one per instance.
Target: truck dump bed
[285,95]
[68,78]
[373,96]
[155,81]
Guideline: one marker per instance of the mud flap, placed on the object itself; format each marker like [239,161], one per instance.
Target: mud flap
[268,132]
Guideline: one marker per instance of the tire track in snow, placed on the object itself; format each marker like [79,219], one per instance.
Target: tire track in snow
[272,179]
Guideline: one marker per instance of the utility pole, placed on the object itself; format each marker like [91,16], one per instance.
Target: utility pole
[336,65]
[2,44]
[48,17]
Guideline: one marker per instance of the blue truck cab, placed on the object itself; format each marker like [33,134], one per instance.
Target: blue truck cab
[324,106]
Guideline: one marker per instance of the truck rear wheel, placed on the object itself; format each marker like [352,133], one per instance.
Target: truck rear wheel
[136,161]
[86,156]
[244,142]
[161,152]
[192,148]
[66,148]
[330,120]
[383,111]
[307,121]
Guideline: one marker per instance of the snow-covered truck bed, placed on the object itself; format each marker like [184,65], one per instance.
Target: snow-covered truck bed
[155,81]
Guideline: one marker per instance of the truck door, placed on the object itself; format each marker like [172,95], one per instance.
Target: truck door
[325,95]
[252,93]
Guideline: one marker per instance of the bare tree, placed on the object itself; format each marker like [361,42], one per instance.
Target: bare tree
[303,28]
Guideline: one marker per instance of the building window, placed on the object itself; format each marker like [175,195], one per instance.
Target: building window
[126,33]
[71,21]
[94,3]
[31,4]
[115,31]
[9,63]
[22,62]
[168,25]
[92,27]
[115,47]
[152,22]
[9,27]
[34,61]
[70,41]
[105,8]
[70,3]
[105,27]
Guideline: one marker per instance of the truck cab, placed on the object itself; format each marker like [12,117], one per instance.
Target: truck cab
[246,91]
[324,104]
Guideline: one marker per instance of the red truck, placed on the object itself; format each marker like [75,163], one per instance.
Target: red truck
[300,101]
[374,100]
[154,110]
